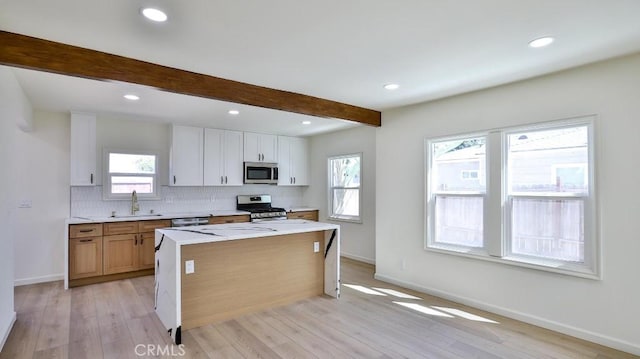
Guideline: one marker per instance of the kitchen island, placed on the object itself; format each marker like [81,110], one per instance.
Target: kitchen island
[211,273]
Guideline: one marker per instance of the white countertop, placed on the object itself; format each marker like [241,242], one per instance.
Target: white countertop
[145,217]
[234,231]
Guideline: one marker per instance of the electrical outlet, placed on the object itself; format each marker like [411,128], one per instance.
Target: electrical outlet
[316,247]
[189,267]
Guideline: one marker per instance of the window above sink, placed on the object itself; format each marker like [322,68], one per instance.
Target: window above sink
[126,171]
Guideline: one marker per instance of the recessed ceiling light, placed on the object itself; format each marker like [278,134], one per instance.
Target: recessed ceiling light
[132,97]
[234,112]
[391,86]
[306,122]
[154,14]
[541,42]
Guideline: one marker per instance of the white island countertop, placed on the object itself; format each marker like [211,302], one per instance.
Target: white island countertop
[234,231]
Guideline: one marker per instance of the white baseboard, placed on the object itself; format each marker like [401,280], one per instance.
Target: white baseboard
[42,279]
[524,317]
[5,330]
[357,258]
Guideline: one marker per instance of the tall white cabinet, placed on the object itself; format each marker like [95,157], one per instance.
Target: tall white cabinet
[187,153]
[83,149]
[260,147]
[223,154]
[293,158]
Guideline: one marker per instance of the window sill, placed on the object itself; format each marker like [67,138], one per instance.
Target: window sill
[348,220]
[552,266]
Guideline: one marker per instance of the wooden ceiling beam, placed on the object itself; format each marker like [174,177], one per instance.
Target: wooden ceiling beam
[37,54]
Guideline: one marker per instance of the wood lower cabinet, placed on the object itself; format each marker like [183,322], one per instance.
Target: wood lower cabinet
[131,247]
[100,252]
[242,218]
[146,250]
[146,242]
[308,215]
[120,253]
[85,257]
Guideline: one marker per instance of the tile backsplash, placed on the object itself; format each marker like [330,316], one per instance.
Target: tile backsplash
[88,202]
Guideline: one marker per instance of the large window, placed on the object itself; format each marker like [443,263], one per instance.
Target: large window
[344,187]
[126,172]
[519,195]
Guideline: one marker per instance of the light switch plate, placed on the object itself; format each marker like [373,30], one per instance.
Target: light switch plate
[316,247]
[189,267]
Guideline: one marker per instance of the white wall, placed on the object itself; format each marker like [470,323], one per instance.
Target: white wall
[604,311]
[41,177]
[358,239]
[12,112]
[120,134]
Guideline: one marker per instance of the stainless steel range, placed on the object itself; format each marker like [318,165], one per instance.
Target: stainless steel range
[260,207]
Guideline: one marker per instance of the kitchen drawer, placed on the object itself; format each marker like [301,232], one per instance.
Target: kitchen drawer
[243,218]
[308,215]
[151,226]
[85,230]
[120,228]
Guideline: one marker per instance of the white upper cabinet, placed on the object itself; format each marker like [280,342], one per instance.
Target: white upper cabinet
[260,147]
[83,149]
[293,155]
[223,154]
[187,150]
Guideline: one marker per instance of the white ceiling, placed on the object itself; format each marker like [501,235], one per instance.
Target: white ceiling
[339,50]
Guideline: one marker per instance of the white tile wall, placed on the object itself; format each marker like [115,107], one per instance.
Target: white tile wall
[88,202]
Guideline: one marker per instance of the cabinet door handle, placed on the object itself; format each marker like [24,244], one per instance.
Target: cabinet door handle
[294,180]
[87,230]
[136,240]
[141,240]
[221,179]
[290,180]
[174,179]
[226,180]
[91,178]
[86,240]
[229,221]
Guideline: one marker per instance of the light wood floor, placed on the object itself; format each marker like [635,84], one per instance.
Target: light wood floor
[108,320]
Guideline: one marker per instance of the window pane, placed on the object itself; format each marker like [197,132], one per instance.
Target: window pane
[130,163]
[346,202]
[548,228]
[123,184]
[345,172]
[459,165]
[459,220]
[549,161]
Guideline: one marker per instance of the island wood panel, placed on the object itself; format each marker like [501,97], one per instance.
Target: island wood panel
[237,277]
[39,54]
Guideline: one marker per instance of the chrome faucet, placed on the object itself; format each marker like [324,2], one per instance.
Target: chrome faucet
[135,207]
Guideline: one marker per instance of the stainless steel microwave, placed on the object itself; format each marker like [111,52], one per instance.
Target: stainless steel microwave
[260,173]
